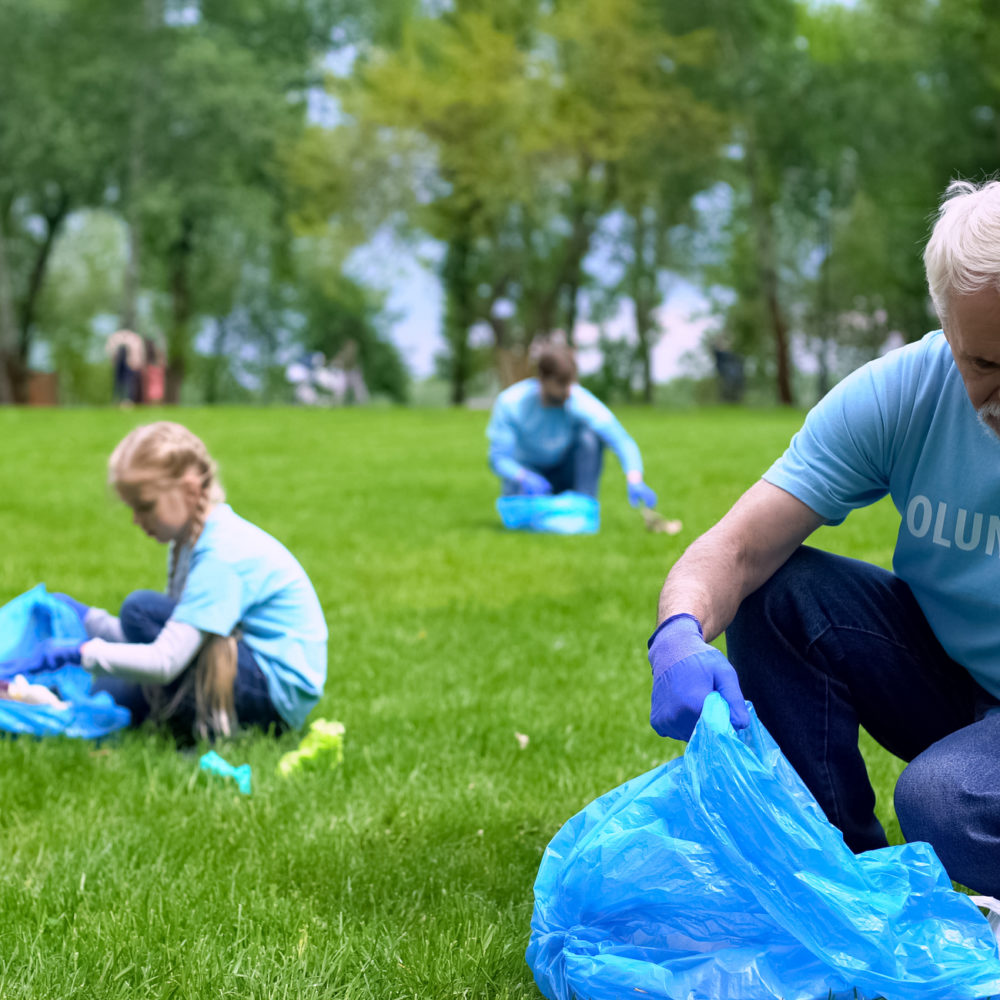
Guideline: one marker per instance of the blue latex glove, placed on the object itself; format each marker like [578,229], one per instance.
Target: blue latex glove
[79,607]
[51,654]
[532,484]
[639,493]
[685,670]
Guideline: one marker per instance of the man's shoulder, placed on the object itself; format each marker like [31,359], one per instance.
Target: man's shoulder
[913,369]
[931,349]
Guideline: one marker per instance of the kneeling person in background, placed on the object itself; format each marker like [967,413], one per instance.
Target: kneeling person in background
[548,434]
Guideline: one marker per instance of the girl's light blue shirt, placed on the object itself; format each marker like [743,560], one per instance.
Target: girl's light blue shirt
[904,425]
[240,575]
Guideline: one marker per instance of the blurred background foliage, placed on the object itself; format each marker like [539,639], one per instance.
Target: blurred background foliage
[202,172]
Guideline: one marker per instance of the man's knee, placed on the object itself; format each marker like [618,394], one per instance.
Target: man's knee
[775,600]
[587,442]
[931,796]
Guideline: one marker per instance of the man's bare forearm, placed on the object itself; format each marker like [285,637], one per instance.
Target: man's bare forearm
[704,582]
[736,556]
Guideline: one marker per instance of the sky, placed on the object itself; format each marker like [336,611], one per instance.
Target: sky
[415,303]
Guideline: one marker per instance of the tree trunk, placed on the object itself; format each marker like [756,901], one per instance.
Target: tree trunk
[642,328]
[180,294]
[218,360]
[29,304]
[767,270]
[8,329]
[458,312]
[643,287]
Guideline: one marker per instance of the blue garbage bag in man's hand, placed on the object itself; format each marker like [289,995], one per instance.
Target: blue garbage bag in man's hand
[717,875]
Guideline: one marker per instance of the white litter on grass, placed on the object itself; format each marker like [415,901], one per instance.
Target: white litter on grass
[522,740]
[993,905]
[658,524]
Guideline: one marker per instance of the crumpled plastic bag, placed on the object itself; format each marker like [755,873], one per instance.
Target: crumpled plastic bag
[563,514]
[717,877]
[24,622]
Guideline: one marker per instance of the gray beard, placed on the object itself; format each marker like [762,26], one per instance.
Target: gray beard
[989,418]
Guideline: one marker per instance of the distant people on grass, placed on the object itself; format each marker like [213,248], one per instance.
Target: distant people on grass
[138,368]
[548,435]
[127,353]
[154,373]
[822,644]
[347,362]
[239,635]
[730,368]
[339,382]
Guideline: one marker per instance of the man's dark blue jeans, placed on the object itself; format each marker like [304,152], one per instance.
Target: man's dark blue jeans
[830,643]
[143,615]
[579,470]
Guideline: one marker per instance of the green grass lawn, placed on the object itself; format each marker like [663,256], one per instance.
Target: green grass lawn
[408,872]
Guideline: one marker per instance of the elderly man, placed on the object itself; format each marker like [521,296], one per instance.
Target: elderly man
[822,644]
[548,434]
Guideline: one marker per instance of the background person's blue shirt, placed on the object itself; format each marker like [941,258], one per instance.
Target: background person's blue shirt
[240,575]
[904,425]
[524,433]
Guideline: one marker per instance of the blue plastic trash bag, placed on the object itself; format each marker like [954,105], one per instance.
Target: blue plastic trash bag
[718,876]
[562,514]
[26,621]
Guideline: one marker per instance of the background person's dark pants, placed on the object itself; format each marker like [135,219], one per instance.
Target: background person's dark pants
[829,643]
[579,471]
[143,615]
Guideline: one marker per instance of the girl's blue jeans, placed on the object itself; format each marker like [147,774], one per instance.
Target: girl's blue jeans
[829,644]
[143,615]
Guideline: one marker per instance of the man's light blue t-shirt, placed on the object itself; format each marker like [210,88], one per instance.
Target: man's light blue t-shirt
[524,433]
[904,425]
[240,575]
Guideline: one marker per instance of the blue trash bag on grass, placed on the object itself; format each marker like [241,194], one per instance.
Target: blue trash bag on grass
[717,877]
[26,621]
[563,514]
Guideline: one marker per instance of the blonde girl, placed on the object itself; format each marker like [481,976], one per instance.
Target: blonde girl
[239,634]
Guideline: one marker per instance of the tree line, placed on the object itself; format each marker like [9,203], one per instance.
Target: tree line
[165,163]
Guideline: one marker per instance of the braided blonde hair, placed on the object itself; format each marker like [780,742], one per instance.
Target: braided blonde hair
[161,454]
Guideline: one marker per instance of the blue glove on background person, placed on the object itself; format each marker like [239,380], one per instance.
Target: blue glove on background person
[686,669]
[532,484]
[639,493]
[79,607]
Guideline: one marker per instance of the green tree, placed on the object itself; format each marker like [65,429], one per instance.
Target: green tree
[61,115]
[85,276]
[517,123]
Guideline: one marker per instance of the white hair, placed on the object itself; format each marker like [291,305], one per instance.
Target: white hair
[963,254]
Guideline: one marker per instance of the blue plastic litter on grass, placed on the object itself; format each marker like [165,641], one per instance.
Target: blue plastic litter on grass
[563,514]
[718,876]
[217,765]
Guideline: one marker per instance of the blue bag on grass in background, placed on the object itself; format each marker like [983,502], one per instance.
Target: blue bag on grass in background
[563,514]
[718,876]
[25,622]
